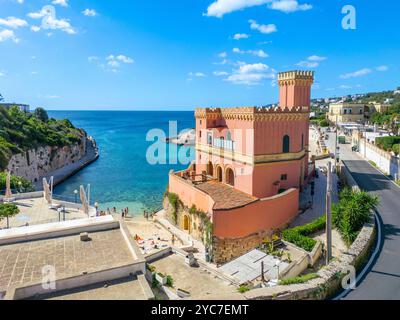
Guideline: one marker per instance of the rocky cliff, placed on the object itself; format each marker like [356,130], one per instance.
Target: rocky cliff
[39,162]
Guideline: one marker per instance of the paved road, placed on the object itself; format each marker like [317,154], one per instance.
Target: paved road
[383,279]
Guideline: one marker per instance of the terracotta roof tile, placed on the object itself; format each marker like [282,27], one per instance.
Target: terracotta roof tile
[225,197]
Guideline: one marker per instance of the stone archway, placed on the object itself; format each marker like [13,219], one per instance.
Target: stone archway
[210,169]
[185,223]
[219,174]
[230,177]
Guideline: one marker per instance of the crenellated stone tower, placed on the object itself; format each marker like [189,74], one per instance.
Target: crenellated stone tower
[295,88]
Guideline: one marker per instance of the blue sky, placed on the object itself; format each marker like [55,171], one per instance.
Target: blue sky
[181,54]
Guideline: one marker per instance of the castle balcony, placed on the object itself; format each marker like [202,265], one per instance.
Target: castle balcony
[224,144]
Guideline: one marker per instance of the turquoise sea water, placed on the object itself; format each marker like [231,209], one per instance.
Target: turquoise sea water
[122,177]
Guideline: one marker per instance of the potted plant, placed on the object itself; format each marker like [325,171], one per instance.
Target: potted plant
[161,278]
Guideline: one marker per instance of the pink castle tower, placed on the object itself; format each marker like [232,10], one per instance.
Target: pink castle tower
[250,165]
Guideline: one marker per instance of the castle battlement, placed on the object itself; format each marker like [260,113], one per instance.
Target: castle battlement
[220,113]
[296,74]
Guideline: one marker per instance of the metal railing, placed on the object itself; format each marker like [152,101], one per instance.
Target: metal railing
[224,144]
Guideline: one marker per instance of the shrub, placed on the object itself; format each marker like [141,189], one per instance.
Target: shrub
[243,288]
[299,279]
[300,235]
[299,240]
[170,281]
[18,183]
[387,143]
[174,200]
[324,123]
[352,212]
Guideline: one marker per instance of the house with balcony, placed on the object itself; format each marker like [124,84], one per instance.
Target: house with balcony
[251,164]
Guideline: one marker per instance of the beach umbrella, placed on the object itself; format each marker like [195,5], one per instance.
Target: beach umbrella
[46,191]
[8,185]
[85,206]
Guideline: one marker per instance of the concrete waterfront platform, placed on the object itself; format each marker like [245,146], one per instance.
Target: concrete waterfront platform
[35,210]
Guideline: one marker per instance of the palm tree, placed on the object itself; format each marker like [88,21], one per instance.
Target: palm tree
[8,210]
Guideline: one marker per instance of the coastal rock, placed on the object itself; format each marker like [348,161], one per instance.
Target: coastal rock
[36,163]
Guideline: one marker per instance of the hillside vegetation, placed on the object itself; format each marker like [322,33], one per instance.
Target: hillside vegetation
[21,131]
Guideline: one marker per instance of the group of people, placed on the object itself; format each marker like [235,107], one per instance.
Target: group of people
[113,211]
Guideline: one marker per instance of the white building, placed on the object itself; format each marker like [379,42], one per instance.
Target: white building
[22,107]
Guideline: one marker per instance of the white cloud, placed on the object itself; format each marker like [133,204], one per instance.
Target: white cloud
[250,74]
[62,24]
[112,62]
[125,59]
[51,22]
[2,73]
[37,15]
[257,53]
[345,87]
[196,74]
[239,36]
[14,23]
[308,64]
[316,58]
[89,12]
[222,62]
[221,7]
[49,96]
[220,73]
[356,74]
[288,6]
[263,28]
[8,35]
[311,62]
[382,68]
[223,55]
[35,28]
[63,3]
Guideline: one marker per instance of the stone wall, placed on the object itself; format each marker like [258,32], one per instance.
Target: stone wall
[36,163]
[226,250]
[194,223]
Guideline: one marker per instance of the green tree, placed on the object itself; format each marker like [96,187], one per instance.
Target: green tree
[41,114]
[352,212]
[19,183]
[1,97]
[8,210]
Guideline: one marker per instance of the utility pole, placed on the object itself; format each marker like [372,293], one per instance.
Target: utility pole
[329,214]
[336,140]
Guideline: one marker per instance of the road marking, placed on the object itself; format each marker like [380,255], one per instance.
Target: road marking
[370,261]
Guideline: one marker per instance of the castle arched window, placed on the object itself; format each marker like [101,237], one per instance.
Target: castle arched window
[302,141]
[286,144]
[229,136]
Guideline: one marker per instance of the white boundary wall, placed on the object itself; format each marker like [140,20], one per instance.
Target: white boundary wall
[385,161]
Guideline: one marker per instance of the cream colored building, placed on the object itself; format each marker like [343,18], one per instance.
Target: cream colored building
[380,107]
[347,112]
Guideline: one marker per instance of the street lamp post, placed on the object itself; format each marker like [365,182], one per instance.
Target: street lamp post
[329,214]
[76,195]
